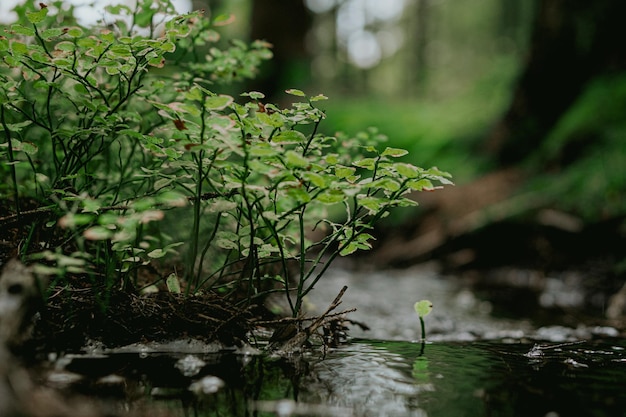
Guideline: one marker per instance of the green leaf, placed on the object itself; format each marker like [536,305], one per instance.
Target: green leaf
[150,289]
[159,253]
[98,233]
[223,19]
[172,199]
[349,249]
[295,92]
[71,220]
[445,181]
[112,68]
[91,205]
[19,47]
[66,46]
[16,127]
[295,160]
[299,194]
[107,36]
[262,149]
[372,203]
[52,33]
[423,308]
[367,163]
[385,184]
[289,136]
[75,32]
[420,185]
[407,170]
[38,16]
[218,102]
[91,80]
[81,89]
[172,283]
[254,95]
[22,30]
[162,183]
[28,148]
[394,152]
[315,179]
[330,197]
[227,240]
[273,120]
[319,97]
[120,50]
[221,205]
[144,17]
[437,172]
[168,47]
[11,61]
[87,43]
[343,171]
[331,159]
[365,238]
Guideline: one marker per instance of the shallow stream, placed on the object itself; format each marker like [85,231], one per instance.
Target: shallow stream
[372,378]
[473,364]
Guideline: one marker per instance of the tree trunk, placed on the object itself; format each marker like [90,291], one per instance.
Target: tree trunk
[572,41]
[285,24]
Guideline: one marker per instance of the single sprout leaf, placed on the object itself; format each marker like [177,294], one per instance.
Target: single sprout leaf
[423,308]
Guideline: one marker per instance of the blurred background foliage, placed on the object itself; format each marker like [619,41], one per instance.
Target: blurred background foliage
[471,87]
[433,75]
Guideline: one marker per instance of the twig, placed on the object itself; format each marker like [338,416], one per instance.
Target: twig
[286,320]
[300,338]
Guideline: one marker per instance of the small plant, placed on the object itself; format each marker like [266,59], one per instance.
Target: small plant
[423,308]
[120,137]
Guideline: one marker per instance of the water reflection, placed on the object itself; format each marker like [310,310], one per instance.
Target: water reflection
[368,379]
[372,378]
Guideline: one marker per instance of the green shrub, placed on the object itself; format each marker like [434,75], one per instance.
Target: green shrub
[119,134]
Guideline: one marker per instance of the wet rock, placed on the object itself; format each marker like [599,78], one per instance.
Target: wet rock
[569,334]
[19,300]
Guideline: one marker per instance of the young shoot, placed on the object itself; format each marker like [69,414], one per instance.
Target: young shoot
[423,308]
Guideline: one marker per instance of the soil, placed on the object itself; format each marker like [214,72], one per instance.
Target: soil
[71,317]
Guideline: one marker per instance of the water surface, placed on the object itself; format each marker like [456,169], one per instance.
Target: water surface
[375,378]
